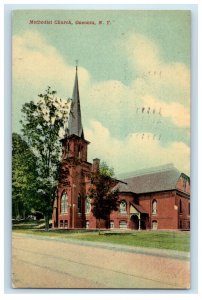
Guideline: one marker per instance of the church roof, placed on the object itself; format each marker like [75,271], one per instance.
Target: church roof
[139,208]
[75,124]
[160,180]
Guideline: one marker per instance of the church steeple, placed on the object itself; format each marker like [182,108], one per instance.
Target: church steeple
[75,124]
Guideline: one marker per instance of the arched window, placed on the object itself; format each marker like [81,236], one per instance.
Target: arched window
[79,151]
[180,206]
[87,205]
[154,225]
[154,207]
[79,203]
[63,203]
[123,207]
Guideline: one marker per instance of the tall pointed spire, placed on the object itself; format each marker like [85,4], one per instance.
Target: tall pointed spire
[75,123]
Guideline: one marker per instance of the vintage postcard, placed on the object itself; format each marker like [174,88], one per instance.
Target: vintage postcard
[101,149]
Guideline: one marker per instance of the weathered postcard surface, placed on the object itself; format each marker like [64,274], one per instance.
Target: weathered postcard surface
[101,149]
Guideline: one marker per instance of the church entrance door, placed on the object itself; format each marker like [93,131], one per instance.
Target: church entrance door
[134,222]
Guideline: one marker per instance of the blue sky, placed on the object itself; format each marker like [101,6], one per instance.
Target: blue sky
[134,78]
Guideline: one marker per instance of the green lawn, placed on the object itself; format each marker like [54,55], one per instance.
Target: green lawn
[159,239]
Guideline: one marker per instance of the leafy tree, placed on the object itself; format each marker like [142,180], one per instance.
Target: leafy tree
[24,177]
[41,126]
[104,197]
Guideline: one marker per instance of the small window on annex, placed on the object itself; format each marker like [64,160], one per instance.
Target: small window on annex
[154,207]
[111,224]
[63,203]
[123,207]
[87,205]
[154,225]
[122,224]
[66,224]
[61,223]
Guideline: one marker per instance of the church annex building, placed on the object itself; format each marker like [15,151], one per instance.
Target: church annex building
[155,199]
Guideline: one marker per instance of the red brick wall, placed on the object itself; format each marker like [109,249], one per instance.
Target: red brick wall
[166,215]
[117,216]
[183,211]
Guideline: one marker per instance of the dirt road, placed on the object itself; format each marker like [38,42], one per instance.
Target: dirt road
[48,263]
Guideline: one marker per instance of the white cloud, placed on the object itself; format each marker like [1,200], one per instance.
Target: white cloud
[143,52]
[38,64]
[171,81]
[178,113]
[133,152]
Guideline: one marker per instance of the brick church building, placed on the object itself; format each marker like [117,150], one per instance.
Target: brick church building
[155,199]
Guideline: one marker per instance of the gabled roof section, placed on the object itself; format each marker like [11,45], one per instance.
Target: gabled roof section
[123,187]
[75,124]
[160,180]
[139,208]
